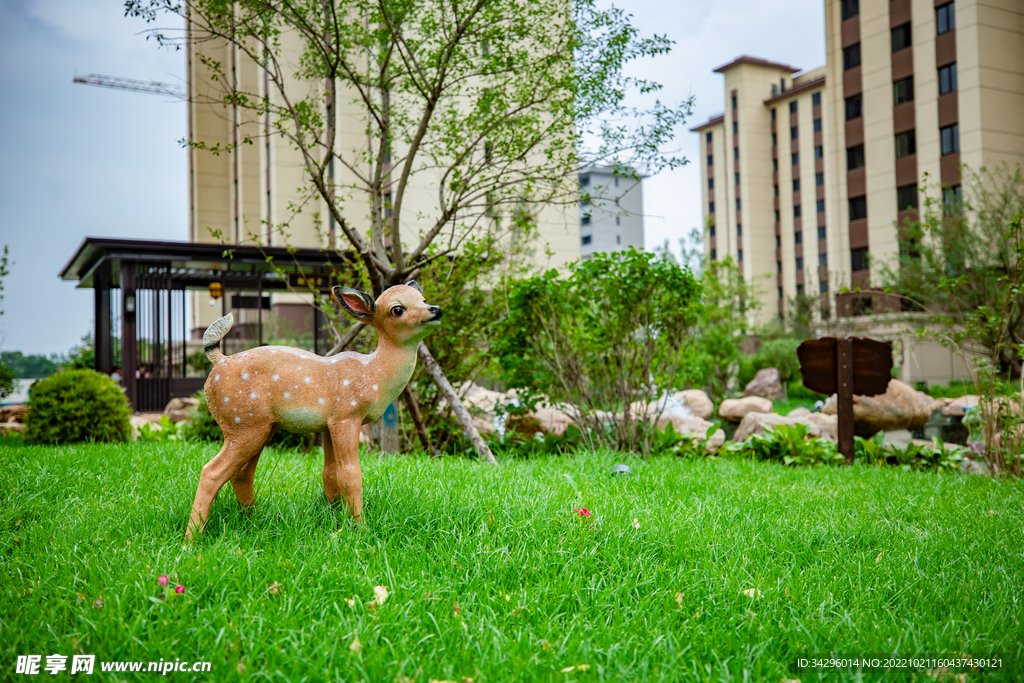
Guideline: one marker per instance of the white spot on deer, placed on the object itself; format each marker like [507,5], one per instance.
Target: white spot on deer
[353,404]
[216,378]
[375,387]
[345,383]
[308,380]
[365,360]
[273,350]
[337,398]
[245,375]
[334,361]
[238,419]
[275,377]
[226,399]
[252,395]
[321,401]
[287,395]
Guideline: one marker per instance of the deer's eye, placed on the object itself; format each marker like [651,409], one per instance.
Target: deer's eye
[397,311]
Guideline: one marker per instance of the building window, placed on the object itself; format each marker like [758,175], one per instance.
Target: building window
[737,204]
[775,140]
[778,242]
[780,292]
[901,37]
[711,230]
[859,259]
[711,207]
[707,136]
[585,181]
[796,185]
[711,160]
[618,239]
[850,8]
[800,263]
[817,125]
[586,239]
[733,101]
[851,57]
[792,107]
[905,144]
[854,108]
[735,152]
[735,128]
[906,197]
[819,178]
[796,211]
[776,216]
[616,181]
[822,260]
[821,232]
[947,79]
[819,152]
[854,157]
[737,175]
[823,288]
[739,229]
[739,254]
[821,206]
[903,91]
[775,164]
[776,190]
[616,220]
[794,132]
[711,183]
[714,256]
[778,266]
[798,237]
[773,111]
[586,219]
[796,158]
[816,99]
[945,18]
[950,138]
[858,208]
[953,199]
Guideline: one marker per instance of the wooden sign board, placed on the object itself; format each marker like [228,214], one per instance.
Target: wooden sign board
[845,367]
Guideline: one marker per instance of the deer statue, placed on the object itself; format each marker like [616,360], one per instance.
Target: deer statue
[253,393]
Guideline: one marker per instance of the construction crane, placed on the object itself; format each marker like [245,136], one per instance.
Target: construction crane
[154,87]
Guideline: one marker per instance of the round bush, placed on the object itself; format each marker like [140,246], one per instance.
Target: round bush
[77,405]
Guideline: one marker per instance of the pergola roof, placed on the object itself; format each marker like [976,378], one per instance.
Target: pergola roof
[197,264]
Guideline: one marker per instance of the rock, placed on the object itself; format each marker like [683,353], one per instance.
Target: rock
[551,420]
[8,427]
[13,413]
[693,427]
[734,409]
[900,407]
[699,403]
[818,425]
[898,438]
[977,467]
[766,384]
[799,412]
[180,409]
[139,419]
[475,396]
[955,407]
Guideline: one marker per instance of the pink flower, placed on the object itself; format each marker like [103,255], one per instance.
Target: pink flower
[179,589]
[162,580]
[582,512]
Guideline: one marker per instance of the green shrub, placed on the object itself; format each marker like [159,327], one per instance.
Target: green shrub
[7,383]
[774,353]
[202,427]
[73,406]
[796,391]
[788,444]
[914,457]
[962,388]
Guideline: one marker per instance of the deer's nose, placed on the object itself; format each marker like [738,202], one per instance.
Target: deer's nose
[436,312]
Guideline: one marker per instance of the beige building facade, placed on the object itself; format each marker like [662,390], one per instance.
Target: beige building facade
[243,193]
[807,178]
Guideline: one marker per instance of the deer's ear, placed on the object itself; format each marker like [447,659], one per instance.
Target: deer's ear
[415,285]
[358,304]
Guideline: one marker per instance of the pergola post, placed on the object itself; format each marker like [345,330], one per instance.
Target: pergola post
[103,360]
[129,350]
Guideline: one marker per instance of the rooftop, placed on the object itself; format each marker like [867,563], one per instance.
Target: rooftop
[756,61]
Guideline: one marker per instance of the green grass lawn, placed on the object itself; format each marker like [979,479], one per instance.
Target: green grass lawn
[491,576]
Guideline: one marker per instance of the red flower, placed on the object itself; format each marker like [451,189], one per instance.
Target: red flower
[179,589]
[582,512]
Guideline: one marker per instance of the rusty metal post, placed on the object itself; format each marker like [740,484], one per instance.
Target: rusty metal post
[844,396]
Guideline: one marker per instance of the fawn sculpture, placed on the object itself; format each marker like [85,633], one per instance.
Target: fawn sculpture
[253,393]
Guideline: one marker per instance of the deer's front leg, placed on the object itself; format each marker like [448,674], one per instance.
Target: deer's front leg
[348,477]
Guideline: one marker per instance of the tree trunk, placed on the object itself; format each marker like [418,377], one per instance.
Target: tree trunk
[417,419]
[461,414]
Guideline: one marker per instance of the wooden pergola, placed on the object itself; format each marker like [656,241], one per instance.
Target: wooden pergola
[140,313]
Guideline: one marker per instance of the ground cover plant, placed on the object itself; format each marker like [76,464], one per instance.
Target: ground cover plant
[549,569]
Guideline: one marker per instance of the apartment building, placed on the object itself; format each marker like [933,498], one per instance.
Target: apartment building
[807,176]
[611,211]
[254,189]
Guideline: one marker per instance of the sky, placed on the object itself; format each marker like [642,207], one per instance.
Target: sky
[80,161]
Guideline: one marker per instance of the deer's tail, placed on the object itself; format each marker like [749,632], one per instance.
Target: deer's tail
[214,333]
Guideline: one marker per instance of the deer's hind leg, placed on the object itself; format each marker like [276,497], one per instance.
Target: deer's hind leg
[239,449]
[244,481]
